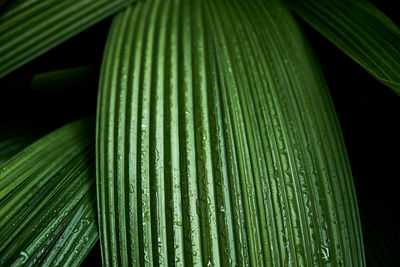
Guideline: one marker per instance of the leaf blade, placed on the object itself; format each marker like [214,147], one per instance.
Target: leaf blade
[361,31]
[44,191]
[29,28]
[219,134]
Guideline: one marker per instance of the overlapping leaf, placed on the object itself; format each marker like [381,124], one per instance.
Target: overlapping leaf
[65,80]
[218,143]
[359,30]
[380,239]
[47,200]
[29,28]
[14,140]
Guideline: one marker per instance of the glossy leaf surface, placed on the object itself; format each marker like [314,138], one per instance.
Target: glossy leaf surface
[29,28]
[47,200]
[217,142]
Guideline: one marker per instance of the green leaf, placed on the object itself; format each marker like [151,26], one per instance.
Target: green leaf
[361,31]
[47,200]
[13,140]
[28,28]
[217,142]
[380,240]
[65,80]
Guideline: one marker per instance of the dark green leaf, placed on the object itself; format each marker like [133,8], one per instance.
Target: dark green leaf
[361,31]
[13,140]
[66,80]
[380,239]
[47,200]
[29,28]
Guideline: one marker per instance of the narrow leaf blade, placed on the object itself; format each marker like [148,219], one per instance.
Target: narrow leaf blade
[65,80]
[47,200]
[361,31]
[13,140]
[28,28]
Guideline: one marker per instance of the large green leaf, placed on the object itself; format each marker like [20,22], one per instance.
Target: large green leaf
[361,31]
[217,142]
[47,200]
[29,28]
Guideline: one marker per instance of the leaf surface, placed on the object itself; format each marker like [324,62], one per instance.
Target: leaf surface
[217,142]
[28,28]
[361,31]
[13,140]
[65,80]
[47,200]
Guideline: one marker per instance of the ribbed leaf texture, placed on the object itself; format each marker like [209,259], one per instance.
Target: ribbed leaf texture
[361,31]
[380,237]
[29,28]
[14,140]
[218,143]
[47,200]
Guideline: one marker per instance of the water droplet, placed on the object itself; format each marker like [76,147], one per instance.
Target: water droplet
[24,257]
[85,221]
[325,253]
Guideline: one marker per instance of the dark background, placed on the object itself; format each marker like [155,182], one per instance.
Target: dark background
[367,110]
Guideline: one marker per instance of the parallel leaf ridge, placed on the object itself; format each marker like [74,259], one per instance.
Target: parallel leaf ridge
[28,28]
[380,243]
[361,31]
[48,200]
[217,142]
[13,140]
